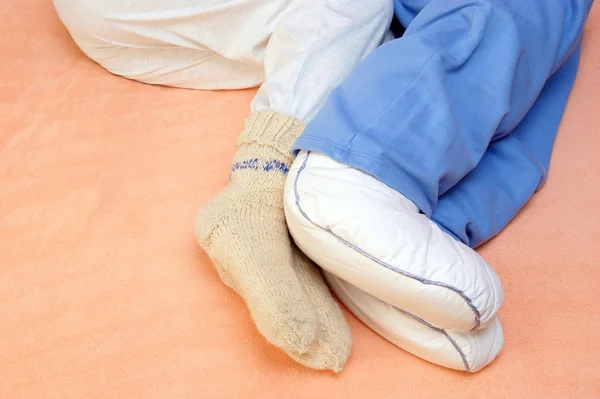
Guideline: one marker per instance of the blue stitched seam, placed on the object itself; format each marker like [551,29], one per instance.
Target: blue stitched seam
[378,261]
[259,164]
[441,331]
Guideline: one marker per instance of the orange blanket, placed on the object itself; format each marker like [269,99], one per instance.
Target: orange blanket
[105,294]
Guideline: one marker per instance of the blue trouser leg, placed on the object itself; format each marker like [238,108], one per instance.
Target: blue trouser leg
[511,170]
[420,112]
[475,210]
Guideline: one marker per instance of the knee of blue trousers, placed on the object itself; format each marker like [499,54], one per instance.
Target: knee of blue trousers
[512,169]
[487,199]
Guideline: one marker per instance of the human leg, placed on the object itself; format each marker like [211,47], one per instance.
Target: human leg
[306,56]
[376,239]
[512,169]
[176,42]
[474,210]
[420,111]
[301,49]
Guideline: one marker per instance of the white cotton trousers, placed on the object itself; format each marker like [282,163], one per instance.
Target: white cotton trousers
[297,51]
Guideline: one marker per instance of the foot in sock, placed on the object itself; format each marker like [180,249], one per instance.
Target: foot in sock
[243,229]
[331,349]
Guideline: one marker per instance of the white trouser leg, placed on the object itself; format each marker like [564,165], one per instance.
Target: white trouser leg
[459,350]
[200,44]
[303,47]
[392,267]
[314,48]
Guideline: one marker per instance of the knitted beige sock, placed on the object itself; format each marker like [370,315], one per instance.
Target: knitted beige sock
[332,347]
[243,230]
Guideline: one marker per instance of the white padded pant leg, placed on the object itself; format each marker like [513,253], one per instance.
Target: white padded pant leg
[465,351]
[394,268]
[371,236]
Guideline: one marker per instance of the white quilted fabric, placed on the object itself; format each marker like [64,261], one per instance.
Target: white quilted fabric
[392,267]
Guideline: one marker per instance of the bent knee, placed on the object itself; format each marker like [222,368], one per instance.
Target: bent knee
[85,20]
[100,30]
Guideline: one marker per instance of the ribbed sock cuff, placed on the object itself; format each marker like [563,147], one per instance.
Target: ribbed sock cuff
[270,128]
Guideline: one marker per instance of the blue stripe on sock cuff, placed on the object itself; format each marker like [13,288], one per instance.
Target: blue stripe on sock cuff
[260,164]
